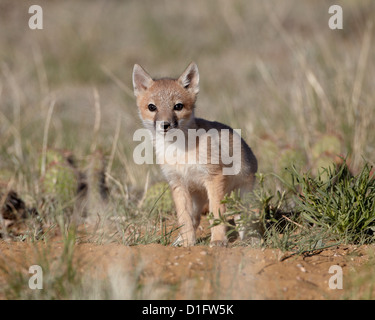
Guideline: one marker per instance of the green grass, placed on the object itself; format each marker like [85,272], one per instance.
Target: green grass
[311,212]
[340,203]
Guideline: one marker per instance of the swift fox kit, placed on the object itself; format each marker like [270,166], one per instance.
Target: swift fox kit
[166,107]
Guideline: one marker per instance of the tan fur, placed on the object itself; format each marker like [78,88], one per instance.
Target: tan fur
[194,186]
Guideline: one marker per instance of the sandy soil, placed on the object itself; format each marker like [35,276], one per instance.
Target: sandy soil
[201,272]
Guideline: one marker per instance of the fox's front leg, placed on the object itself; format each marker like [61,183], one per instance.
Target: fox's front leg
[184,207]
[216,193]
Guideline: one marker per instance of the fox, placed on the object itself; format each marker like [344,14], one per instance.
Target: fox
[166,106]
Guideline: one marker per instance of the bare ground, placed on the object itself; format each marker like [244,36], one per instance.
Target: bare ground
[201,272]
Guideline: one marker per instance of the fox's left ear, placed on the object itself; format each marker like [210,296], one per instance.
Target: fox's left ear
[190,78]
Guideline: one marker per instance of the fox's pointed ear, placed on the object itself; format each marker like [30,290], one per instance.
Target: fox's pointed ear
[190,78]
[141,79]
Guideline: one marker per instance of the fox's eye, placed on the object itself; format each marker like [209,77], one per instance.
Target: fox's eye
[152,107]
[178,107]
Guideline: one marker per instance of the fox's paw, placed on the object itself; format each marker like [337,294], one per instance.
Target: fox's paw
[177,242]
[219,243]
[180,242]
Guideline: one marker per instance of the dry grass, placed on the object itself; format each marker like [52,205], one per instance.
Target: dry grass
[300,92]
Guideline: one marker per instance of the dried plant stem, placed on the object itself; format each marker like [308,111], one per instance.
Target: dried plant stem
[97,120]
[16,110]
[45,136]
[359,113]
[114,146]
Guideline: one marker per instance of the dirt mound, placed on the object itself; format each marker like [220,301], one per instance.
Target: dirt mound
[199,272]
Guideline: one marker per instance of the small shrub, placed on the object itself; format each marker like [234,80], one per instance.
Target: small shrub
[339,202]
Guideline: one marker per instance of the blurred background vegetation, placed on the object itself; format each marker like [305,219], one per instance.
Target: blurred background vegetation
[300,92]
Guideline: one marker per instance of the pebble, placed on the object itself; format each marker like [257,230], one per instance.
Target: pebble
[301,267]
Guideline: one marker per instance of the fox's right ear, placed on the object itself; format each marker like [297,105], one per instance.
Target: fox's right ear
[141,79]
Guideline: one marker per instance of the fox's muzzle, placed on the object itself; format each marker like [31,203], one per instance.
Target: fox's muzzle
[165,126]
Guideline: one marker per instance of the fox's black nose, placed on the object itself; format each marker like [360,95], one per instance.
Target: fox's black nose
[165,125]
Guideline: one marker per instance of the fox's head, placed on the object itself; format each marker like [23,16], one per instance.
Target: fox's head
[166,104]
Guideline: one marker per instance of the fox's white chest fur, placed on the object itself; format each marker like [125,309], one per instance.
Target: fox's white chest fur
[179,163]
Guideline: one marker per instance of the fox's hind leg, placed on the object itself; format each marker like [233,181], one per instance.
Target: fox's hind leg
[200,201]
[216,192]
